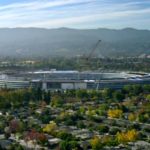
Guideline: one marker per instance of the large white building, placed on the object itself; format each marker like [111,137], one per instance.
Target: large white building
[52,80]
[13,82]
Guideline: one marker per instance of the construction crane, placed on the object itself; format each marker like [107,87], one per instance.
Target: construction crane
[93,50]
[85,59]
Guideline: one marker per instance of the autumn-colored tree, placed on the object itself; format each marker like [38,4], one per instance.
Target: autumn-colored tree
[115,113]
[129,136]
[41,138]
[33,135]
[42,105]
[96,143]
[132,117]
[63,115]
[50,128]
[14,125]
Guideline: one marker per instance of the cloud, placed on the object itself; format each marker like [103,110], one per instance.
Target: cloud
[86,19]
[36,5]
[73,13]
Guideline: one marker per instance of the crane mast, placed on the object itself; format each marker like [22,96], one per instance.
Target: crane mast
[93,50]
[88,61]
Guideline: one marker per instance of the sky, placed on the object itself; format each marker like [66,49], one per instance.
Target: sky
[82,14]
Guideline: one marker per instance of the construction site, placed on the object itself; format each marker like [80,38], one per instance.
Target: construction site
[72,79]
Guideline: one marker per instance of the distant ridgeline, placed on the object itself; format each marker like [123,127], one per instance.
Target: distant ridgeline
[34,42]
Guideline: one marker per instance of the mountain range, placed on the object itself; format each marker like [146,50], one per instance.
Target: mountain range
[38,42]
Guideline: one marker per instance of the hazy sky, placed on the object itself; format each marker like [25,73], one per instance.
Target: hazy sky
[75,13]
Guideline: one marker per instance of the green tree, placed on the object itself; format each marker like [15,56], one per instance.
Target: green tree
[107,93]
[82,94]
[57,101]
[118,96]
[47,97]
[103,128]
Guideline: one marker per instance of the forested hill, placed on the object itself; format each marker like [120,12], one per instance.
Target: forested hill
[71,42]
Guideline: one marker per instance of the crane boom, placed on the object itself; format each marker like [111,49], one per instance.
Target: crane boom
[84,61]
[93,50]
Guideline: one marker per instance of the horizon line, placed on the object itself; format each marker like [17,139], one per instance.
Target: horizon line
[108,28]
